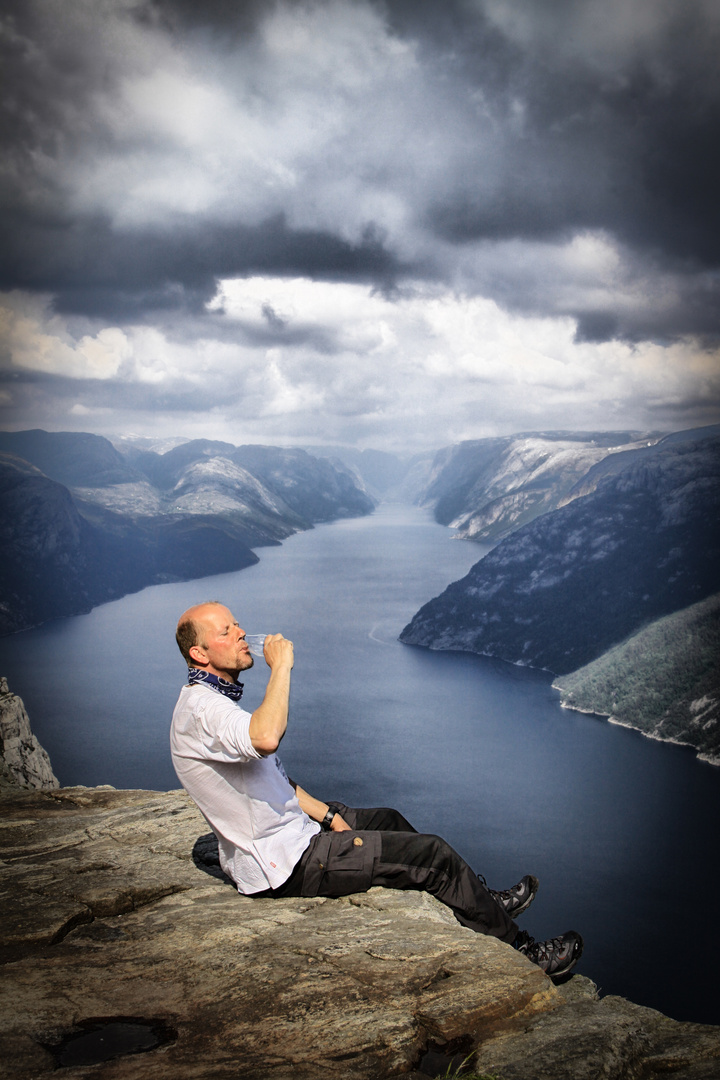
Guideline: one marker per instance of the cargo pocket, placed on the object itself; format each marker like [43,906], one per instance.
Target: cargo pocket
[349,863]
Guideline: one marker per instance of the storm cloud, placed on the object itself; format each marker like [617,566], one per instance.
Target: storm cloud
[499,197]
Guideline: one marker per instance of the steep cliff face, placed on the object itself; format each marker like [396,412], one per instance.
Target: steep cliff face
[60,556]
[124,524]
[560,591]
[487,488]
[23,762]
[130,957]
[46,548]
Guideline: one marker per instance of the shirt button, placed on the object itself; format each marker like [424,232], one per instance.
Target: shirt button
[357,841]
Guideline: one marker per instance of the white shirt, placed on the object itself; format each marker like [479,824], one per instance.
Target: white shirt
[246,799]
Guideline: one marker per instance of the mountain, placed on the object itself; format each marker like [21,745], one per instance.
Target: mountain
[165,470]
[379,470]
[313,488]
[84,523]
[560,591]
[75,459]
[161,444]
[59,556]
[200,477]
[664,680]
[415,481]
[617,462]
[269,492]
[44,547]
[486,488]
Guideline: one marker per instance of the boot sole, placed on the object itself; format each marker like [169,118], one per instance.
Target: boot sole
[560,976]
[528,902]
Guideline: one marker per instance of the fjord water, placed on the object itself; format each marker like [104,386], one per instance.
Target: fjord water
[621,830]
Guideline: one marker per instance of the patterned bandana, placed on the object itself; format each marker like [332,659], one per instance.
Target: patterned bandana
[223,686]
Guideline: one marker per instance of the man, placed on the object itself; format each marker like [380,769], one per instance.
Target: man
[274,839]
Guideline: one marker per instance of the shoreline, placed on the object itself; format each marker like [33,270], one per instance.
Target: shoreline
[701,755]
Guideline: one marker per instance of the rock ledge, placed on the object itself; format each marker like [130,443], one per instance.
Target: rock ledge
[115,933]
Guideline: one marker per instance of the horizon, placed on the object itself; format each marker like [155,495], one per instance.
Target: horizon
[172,441]
[360,222]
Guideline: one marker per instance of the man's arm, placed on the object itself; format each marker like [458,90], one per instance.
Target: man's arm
[269,721]
[317,810]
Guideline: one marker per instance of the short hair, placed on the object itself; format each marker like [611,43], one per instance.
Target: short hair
[186,636]
[188,632]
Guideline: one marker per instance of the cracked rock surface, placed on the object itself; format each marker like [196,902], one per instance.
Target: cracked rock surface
[109,923]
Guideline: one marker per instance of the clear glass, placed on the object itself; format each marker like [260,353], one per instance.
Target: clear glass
[255,643]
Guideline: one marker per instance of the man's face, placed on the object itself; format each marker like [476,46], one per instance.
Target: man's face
[222,648]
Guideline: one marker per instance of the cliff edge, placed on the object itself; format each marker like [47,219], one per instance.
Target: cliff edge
[23,761]
[127,954]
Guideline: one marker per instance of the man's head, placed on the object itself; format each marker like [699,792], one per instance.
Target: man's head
[209,638]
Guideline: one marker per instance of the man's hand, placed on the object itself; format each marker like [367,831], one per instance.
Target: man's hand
[277,650]
[317,810]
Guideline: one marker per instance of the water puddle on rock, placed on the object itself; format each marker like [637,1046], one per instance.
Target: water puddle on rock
[102,1040]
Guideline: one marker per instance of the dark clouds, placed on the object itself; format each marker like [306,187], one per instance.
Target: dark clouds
[94,269]
[531,125]
[558,158]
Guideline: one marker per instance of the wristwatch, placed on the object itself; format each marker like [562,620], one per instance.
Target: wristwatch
[327,821]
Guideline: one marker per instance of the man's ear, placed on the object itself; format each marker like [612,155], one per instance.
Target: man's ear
[197,653]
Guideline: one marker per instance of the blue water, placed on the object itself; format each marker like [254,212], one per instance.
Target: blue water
[621,831]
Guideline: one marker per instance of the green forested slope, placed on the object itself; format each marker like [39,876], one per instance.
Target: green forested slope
[664,680]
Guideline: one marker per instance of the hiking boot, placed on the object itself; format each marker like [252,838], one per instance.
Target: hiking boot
[517,899]
[556,956]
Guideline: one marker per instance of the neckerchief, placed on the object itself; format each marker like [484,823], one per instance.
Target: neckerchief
[232,690]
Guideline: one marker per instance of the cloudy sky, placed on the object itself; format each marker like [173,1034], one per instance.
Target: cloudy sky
[390,223]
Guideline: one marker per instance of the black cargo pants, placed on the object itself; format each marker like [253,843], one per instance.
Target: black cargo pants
[382,848]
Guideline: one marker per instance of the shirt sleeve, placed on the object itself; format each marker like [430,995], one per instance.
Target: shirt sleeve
[224,731]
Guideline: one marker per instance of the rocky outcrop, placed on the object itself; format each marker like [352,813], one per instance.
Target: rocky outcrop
[610,1038]
[23,761]
[127,950]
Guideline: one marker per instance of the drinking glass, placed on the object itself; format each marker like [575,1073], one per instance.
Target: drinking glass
[256,643]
